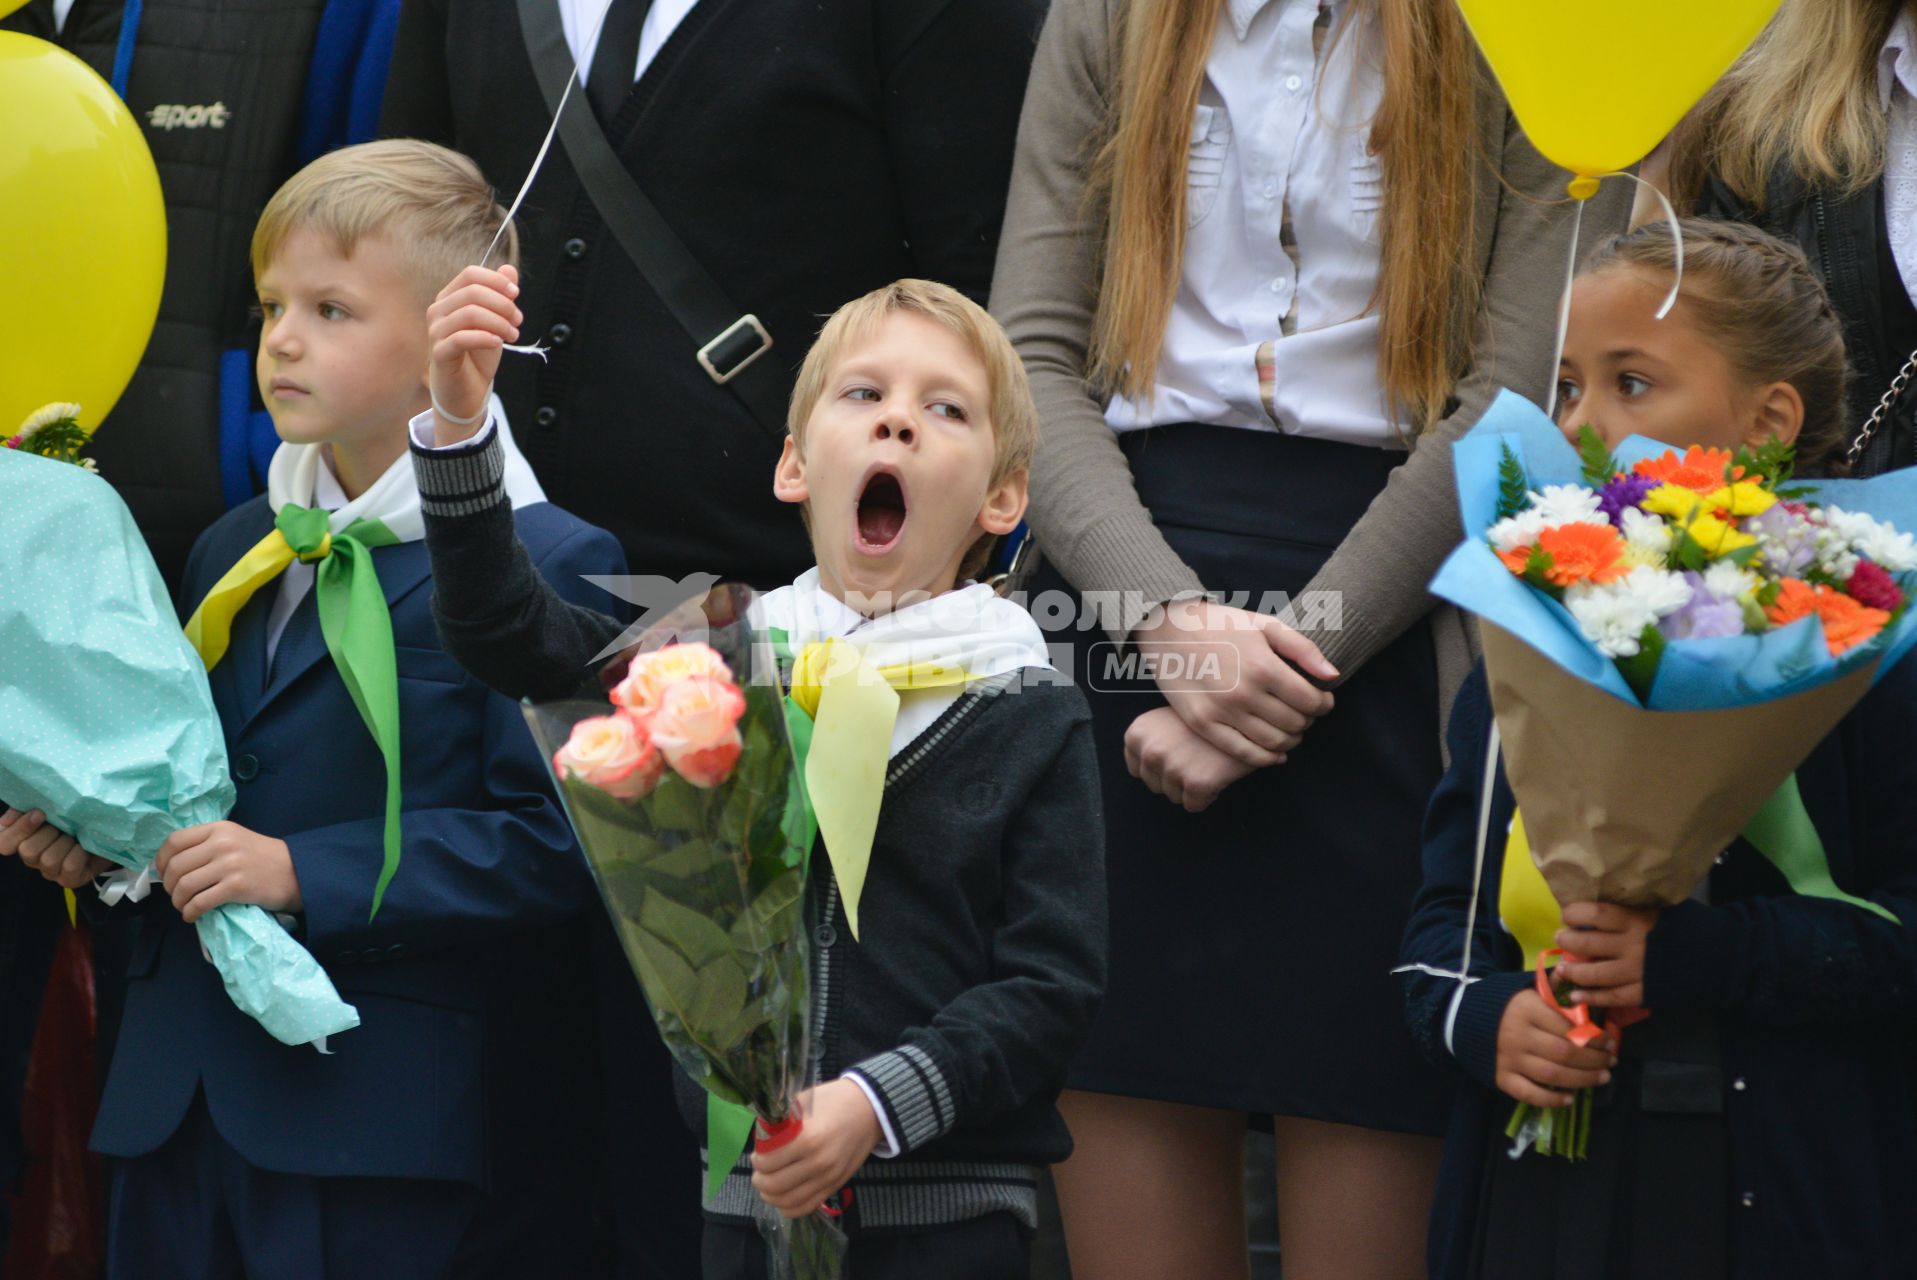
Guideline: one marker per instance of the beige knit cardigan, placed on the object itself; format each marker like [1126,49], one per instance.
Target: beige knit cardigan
[1085,511]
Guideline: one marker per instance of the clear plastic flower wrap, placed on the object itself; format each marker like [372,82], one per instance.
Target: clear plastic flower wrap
[682,786]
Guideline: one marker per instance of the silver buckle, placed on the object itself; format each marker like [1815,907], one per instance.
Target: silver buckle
[705,353]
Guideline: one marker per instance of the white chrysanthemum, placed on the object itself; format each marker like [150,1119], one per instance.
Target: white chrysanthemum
[1567,504]
[1893,551]
[1725,580]
[1851,526]
[1647,539]
[1520,530]
[46,415]
[1613,615]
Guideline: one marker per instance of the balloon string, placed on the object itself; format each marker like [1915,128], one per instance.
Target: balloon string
[1571,270]
[1564,313]
[539,162]
[1484,838]
[1677,237]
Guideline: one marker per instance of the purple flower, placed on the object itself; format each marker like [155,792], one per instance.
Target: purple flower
[1708,614]
[1623,490]
[1790,541]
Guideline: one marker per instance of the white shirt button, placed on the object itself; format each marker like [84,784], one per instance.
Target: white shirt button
[1294,83]
[1271,188]
[1277,286]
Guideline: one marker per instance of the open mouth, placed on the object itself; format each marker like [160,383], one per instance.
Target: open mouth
[881,512]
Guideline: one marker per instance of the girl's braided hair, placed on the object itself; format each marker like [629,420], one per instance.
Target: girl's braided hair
[1757,300]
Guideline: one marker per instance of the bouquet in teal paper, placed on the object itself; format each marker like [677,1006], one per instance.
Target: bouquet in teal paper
[108,727]
[685,795]
[1667,635]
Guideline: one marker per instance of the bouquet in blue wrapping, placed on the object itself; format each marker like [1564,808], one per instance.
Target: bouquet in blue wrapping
[1667,635]
[108,727]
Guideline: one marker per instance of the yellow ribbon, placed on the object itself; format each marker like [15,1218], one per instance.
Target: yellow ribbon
[854,706]
[1525,902]
[294,537]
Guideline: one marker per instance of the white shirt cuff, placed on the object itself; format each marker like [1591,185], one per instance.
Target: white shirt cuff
[1451,1017]
[889,1148]
[421,428]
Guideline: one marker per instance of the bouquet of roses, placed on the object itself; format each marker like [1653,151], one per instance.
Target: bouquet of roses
[685,797]
[1657,602]
[107,724]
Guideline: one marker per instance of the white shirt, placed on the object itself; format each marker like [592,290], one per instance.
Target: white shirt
[581,19]
[1897,86]
[1276,122]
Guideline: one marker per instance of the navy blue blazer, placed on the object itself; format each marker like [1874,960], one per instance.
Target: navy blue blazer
[488,870]
[1813,1001]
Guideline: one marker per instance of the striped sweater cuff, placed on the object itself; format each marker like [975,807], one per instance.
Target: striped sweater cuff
[461,481]
[917,1100]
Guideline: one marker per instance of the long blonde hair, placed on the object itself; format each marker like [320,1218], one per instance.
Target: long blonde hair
[1429,284]
[1805,96]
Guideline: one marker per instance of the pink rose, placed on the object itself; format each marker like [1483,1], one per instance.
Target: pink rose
[613,754]
[650,673]
[697,727]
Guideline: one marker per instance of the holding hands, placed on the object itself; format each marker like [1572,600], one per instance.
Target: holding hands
[216,863]
[1239,699]
[468,323]
[1608,941]
[47,849]
[1537,1063]
[840,1133]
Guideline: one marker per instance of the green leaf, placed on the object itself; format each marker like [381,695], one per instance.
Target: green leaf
[1742,557]
[1537,571]
[1514,489]
[692,933]
[1640,670]
[692,860]
[1688,551]
[1772,461]
[1599,465]
[677,805]
[772,915]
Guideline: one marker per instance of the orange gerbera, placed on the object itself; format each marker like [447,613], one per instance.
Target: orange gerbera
[1583,553]
[1515,559]
[1704,470]
[1847,623]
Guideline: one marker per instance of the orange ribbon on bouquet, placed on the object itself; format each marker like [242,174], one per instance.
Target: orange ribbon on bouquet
[1584,1029]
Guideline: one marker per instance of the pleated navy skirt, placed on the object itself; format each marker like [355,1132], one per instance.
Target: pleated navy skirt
[1252,944]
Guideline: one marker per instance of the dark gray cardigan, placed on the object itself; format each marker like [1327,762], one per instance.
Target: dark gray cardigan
[983,953]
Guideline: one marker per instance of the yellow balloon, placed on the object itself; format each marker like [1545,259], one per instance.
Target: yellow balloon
[1597,84]
[82,235]
[8,6]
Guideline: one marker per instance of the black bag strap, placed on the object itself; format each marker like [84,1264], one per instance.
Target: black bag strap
[728,340]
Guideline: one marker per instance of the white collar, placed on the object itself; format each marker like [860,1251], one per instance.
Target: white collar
[970,626]
[299,475]
[1897,63]
[1243,12]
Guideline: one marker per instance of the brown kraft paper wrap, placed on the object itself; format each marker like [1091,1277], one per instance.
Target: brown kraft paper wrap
[1631,806]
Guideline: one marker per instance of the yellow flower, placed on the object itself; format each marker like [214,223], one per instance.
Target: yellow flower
[1673,500]
[1745,498]
[1717,537]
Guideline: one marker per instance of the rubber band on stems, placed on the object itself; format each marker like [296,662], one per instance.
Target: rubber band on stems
[539,162]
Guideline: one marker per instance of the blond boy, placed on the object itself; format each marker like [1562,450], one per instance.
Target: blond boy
[236,1154]
[942,1030]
